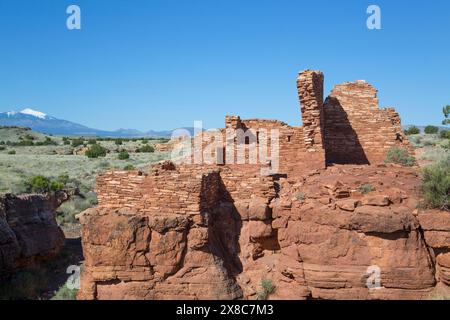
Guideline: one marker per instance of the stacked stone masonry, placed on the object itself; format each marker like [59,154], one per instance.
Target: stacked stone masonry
[214,231]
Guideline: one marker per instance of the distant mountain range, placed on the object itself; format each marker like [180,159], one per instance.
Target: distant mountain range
[41,122]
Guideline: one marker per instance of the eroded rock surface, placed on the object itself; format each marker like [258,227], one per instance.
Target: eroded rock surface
[320,245]
[316,229]
[28,229]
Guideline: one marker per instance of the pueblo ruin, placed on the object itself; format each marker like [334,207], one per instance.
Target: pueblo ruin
[215,231]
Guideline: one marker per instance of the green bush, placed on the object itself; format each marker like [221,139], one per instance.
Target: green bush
[118,142]
[2,148]
[123,155]
[400,156]
[146,148]
[41,184]
[64,293]
[301,196]
[77,142]
[366,188]
[412,130]
[431,130]
[92,141]
[12,152]
[47,142]
[267,288]
[96,151]
[129,167]
[445,134]
[436,184]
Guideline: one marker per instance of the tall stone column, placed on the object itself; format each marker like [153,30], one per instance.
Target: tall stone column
[310,92]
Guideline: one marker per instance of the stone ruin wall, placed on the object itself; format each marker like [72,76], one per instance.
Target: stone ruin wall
[356,130]
[211,231]
[184,190]
[348,128]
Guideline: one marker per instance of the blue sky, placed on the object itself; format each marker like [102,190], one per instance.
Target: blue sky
[161,64]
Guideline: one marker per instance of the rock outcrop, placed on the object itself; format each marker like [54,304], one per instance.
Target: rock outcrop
[316,236]
[316,230]
[28,229]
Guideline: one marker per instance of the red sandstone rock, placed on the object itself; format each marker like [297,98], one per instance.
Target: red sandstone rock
[28,229]
[213,232]
[378,200]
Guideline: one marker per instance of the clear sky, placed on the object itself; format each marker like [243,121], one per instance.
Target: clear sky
[161,64]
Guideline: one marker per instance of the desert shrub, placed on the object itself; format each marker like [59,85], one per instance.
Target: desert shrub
[446,145]
[128,167]
[123,155]
[366,188]
[64,293]
[436,184]
[412,130]
[267,288]
[41,184]
[300,196]
[146,148]
[104,164]
[12,152]
[431,130]
[28,137]
[66,142]
[444,134]
[92,141]
[47,142]
[68,210]
[77,142]
[118,142]
[96,151]
[2,148]
[400,156]
[144,141]
[2,143]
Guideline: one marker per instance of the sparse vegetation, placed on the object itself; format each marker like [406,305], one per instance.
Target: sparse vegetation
[412,130]
[300,196]
[123,155]
[77,142]
[12,152]
[41,184]
[431,130]
[366,188]
[400,156]
[146,148]
[436,184]
[64,293]
[267,289]
[128,167]
[96,151]
[444,134]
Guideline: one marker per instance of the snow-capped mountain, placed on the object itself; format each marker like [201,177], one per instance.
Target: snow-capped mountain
[41,122]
